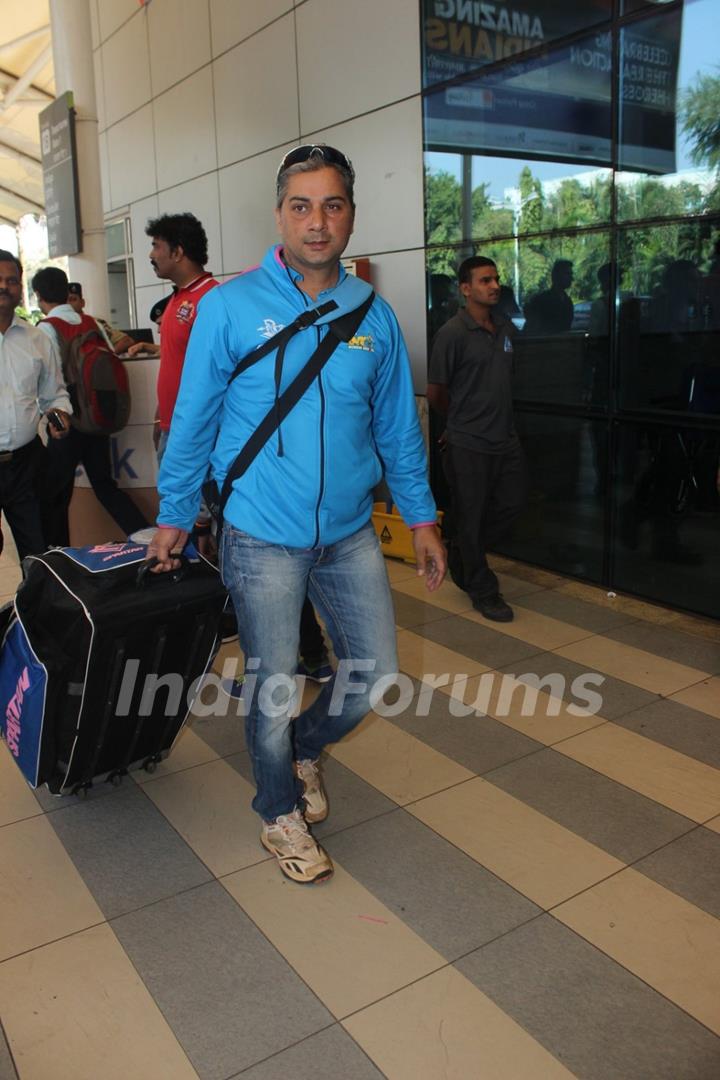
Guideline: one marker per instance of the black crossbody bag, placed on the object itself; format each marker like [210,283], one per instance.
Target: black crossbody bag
[341,329]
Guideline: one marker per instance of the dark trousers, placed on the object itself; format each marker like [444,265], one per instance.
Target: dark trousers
[488,494]
[312,644]
[63,457]
[19,482]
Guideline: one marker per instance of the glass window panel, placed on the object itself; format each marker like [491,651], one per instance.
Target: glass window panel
[462,35]
[562,526]
[552,106]
[115,239]
[668,317]
[629,6]
[555,291]
[562,286]
[476,197]
[669,104]
[666,508]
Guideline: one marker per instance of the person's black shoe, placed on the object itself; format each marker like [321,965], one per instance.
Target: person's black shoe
[494,608]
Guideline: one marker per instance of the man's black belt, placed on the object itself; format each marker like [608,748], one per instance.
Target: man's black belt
[8,456]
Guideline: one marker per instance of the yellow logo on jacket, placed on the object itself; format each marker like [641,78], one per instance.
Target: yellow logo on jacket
[362,341]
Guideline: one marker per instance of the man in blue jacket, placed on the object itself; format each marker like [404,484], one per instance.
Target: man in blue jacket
[299,518]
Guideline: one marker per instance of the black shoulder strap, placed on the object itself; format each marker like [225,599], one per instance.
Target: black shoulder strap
[305,319]
[341,329]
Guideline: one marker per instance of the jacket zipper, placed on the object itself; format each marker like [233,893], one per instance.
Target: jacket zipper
[321,490]
[321,487]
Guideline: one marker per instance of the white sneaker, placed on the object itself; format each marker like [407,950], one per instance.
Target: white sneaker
[300,857]
[316,804]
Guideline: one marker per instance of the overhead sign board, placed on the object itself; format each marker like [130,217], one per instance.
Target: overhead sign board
[556,103]
[59,162]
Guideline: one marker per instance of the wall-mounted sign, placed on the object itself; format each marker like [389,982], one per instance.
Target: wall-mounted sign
[59,162]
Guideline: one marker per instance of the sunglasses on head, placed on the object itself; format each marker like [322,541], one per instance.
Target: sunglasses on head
[327,153]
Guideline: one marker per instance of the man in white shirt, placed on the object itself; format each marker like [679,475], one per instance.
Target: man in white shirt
[92,451]
[31,384]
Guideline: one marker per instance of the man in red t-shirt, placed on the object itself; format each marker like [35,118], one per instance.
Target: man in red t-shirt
[178,254]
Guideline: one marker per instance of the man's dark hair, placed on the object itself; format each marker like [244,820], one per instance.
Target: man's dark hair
[473,263]
[181,230]
[51,285]
[7,256]
[315,164]
[560,268]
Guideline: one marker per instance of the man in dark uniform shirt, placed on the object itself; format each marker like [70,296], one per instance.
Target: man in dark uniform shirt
[470,381]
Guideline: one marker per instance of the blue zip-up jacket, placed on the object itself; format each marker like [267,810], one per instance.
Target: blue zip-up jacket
[356,420]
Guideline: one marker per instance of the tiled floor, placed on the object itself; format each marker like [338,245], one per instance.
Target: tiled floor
[527,882]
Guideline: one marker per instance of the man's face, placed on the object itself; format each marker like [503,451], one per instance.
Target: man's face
[163,258]
[483,287]
[315,220]
[76,302]
[10,288]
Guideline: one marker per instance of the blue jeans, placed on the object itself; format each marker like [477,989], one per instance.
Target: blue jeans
[347,584]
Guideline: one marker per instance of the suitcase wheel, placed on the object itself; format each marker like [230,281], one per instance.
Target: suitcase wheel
[115,779]
[150,765]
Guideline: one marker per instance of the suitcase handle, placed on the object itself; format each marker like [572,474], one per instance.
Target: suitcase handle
[144,575]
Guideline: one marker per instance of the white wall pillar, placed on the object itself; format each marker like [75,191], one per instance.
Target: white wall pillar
[73,59]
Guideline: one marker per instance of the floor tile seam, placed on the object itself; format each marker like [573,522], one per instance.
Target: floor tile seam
[358,824]
[494,873]
[110,919]
[658,741]
[392,993]
[537,650]
[671,697]
[656,656]
[187,768]
[214,879]
[298,1043]
[540,914]
[635,791]
[634,865]
[476,714]
[637,686]
[653,989]
[442,612]
[586,632]
[13,1063]
[54,941]
[188,845]
[18,821]
[154,1000]
[392,798]
[605,674]
[694,825]
[218,757]
[276,948]
[556,742]
[637,621]
[496,628]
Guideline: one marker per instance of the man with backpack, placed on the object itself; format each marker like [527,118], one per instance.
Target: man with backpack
[81,342]
[323,400]
[30,385]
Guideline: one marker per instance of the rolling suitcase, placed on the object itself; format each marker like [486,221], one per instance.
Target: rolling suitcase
[101,661]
